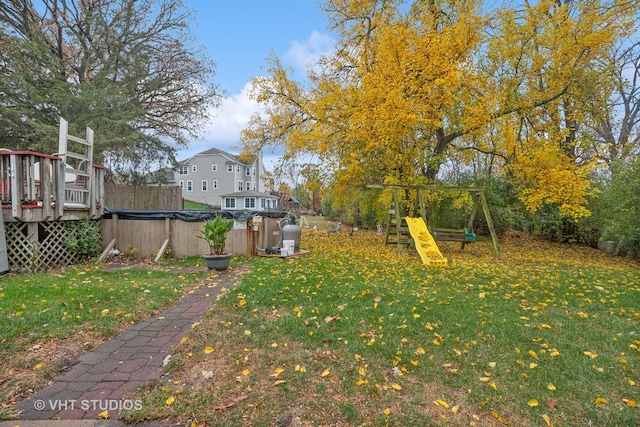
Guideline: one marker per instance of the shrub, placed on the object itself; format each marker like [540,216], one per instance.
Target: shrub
[85,238]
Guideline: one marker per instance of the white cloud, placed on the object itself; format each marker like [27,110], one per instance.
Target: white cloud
[235,111]
[225,124]
[308,52]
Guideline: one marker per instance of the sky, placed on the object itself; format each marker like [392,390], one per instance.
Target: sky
[239,35]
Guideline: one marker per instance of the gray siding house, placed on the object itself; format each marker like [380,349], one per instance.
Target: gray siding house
[222,180]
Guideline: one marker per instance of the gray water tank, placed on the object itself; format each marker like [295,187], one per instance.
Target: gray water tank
[292,232]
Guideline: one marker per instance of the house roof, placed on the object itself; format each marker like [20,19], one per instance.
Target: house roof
[212,151]
[164,175]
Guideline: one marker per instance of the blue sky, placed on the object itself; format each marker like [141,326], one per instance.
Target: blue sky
[239,35]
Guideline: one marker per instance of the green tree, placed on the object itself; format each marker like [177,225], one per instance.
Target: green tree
[621,203]
[126,68]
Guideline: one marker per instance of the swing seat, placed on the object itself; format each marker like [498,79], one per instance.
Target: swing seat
[452,235]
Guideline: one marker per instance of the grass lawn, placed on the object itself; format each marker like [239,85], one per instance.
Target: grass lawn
[189,205]
[355,334]
[47,319]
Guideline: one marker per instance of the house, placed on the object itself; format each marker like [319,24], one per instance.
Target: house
[221,180]
[249,200]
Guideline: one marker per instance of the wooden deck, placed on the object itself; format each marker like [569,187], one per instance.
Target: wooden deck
[44,196]
[37,187]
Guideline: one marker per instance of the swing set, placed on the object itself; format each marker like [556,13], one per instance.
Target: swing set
[398,231]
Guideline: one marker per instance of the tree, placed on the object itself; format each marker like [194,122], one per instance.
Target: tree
[125,68]
[412,85]
[613,130]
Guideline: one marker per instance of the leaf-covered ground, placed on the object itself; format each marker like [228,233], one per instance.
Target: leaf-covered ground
[355,334]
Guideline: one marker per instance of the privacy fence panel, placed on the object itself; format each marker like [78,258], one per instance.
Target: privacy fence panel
[121,196]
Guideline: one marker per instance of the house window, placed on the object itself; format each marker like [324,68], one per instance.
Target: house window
[254,186]
[254,171]
[214,167]
[194,168]
[229,167]
[250,202]
[204,184]
[248,186]
[181,184]
[229,202]
[189,185]
[183,170]
[247,171]
[262,203]
[214,183]
[240,185]
[238,169]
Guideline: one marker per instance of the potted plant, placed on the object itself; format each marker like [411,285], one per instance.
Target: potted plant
[215,233]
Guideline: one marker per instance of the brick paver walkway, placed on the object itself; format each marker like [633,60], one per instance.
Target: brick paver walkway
[99,379]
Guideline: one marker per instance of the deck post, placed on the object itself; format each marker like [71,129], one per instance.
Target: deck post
[45,187]
[16,187]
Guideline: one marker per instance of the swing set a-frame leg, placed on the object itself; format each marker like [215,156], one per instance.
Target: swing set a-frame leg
[487,216]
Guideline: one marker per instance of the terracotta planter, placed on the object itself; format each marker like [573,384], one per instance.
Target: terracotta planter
[217,262]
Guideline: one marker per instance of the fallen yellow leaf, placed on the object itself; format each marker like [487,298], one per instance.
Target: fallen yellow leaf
[208,349]
[325,372]
[170,400]
[551,387]
[497,416]
[442,403]
[533,402]
[630,402]
[278,382]
[533,354]
[386,411]
[396,386]
[104,415]
[547,420]
[246,372]
[277,372]
[600,401]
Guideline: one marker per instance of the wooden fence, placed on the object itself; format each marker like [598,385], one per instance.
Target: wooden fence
[146,237]
[121,196]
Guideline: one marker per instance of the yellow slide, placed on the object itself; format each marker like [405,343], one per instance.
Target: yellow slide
[425,244]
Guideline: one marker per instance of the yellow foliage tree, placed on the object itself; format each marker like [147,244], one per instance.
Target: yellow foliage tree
[412,84]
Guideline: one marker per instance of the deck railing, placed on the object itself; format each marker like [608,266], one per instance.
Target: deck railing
[39,187]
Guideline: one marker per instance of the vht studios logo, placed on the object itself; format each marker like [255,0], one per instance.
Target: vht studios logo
[87,405]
